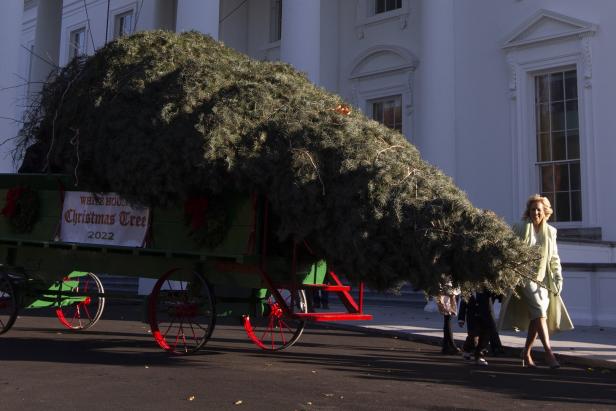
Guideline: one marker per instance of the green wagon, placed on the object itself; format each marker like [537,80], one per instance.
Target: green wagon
[246,274]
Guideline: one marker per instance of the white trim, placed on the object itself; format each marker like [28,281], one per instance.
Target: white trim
[410,60]
[364,18]
[369,85]
[113,15]
[524,63]
[67,39]
[76,7]
[578,27]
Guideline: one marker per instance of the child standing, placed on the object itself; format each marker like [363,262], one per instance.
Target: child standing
[479,319]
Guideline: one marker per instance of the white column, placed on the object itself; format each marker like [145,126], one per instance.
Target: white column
[46,41]
[436,79]
[200,15]
[300,42]
[10,33]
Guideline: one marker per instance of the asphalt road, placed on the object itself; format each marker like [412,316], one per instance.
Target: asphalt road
[117,366]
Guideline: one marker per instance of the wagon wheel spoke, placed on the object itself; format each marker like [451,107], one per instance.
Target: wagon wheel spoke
[274,329]
[86,309]
[182,305]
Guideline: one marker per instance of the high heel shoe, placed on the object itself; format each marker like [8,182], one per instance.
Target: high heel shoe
[552,362]
[527,362]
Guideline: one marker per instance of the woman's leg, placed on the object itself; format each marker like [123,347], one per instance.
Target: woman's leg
[544,336]
[533,331]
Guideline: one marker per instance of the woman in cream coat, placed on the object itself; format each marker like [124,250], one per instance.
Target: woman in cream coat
[538,301]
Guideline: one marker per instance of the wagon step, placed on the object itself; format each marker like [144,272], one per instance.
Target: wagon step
[327,287]
[339,316]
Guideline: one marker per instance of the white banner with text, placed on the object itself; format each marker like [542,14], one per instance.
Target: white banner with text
[102,219]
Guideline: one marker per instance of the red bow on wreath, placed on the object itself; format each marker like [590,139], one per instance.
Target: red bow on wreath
[195,209]
[12,195]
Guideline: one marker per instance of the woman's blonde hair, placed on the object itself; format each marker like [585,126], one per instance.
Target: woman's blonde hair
[547,207]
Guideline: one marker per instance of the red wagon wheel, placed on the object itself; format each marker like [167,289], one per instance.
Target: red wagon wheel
[272,329]
[82,303]
[8,303]
[181,311]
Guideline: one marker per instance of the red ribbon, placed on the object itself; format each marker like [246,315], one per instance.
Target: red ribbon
[12,195]
[195,209]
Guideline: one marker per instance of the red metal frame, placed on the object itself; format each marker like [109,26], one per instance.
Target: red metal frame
[354,309]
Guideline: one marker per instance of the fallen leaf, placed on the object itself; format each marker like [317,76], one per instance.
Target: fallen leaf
[238,402]
[191,398]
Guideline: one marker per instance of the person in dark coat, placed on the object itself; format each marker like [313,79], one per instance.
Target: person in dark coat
[479,318]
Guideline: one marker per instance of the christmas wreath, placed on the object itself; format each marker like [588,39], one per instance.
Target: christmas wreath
[208,221]
[21,208]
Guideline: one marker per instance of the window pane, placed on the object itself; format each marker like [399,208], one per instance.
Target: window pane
[547,178]
[550,197]
[556,87]
[573,145]
[542,94]
[377,112]
[574,170]
[388,111]
[572,114]
[544,154]
[576,206]
[571,84]
[558,116]
[561,177]
[559,146]
[398,118]
[543,118]
[562,205]
[388,115]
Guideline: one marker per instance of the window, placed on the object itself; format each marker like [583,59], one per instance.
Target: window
[388,111]
[77,43]
[558,143]
[275,20]
[123,24]
[382,6]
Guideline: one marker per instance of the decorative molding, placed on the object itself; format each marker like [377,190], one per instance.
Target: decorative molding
[365,17]
[587,59]
[513,77]
[410,103]
[408,61]
[546,25]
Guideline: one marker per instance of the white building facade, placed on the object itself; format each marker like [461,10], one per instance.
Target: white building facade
[509,97]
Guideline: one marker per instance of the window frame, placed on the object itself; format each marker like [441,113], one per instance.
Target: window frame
[540,163]
[374,11]
[72,50]
[117,18]
[523,128]
[133,7]
[384,99]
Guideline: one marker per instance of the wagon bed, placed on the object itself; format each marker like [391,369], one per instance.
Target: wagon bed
[248,274]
